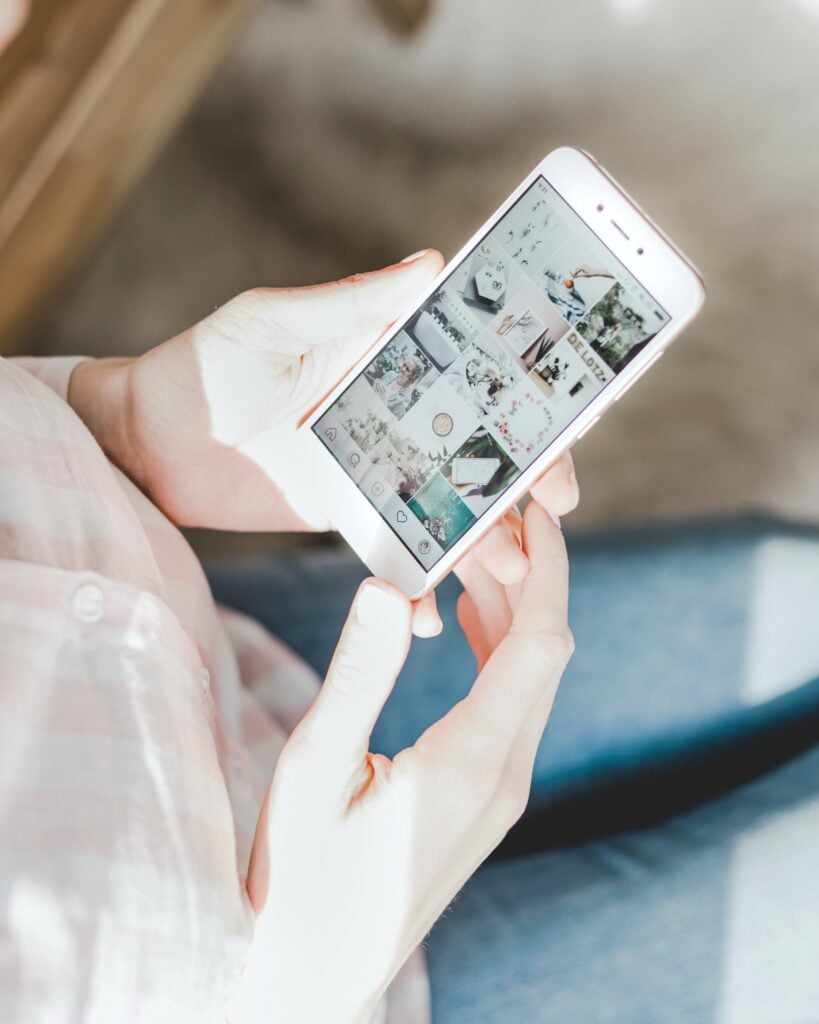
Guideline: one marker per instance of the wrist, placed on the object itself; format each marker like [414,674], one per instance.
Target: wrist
[277,985]
[99,391]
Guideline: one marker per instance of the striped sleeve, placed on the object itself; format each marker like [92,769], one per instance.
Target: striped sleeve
[53,371]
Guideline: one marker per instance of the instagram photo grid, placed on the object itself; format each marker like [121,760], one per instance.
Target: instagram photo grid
[502,357]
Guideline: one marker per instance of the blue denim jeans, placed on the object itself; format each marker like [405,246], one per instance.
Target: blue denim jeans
[665,868]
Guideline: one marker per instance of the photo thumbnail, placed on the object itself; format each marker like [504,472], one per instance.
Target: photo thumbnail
[531,231]
[400,374]
[442,513]
[486,280]
[363,415]
[523,423]
[617,329]
[530,326]
[480,470]
[483,375]
[574,280]
[570,376]
[562,374]
[402,463]
[444,327]
[436,427]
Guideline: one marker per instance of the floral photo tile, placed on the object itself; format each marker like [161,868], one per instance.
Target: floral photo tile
[523,424]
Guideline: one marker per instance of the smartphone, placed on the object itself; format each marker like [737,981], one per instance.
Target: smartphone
[546,317]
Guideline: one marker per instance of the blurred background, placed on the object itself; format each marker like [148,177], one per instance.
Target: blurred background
[156,157]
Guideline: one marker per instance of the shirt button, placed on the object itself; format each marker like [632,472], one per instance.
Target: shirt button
[204,681]
[88,603]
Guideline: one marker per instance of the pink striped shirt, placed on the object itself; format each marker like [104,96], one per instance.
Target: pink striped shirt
[140,729]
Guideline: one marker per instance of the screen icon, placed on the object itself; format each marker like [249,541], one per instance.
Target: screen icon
[377,489]
[330,433]
[401,516]
[354,458]
[424,547]
[442,424]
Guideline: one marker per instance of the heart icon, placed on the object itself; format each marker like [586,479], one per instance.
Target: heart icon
[401,516]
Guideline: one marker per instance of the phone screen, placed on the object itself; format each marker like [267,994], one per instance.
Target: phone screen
[511,347]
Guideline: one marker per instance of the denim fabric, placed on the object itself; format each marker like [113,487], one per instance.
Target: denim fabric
[709,918]
[696,671]
[659,707]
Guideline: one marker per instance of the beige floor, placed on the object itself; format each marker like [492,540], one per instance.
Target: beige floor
[325,147]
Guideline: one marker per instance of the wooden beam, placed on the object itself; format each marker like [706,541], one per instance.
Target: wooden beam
[89,93]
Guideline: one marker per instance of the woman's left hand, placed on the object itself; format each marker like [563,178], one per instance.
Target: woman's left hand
[205,423]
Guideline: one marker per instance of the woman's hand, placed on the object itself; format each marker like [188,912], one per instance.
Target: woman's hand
[205,422]
[355,855]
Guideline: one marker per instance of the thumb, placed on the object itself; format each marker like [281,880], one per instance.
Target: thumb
[355,311]
[370,654]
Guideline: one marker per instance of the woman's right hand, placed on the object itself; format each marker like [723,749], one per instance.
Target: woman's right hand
[356,855]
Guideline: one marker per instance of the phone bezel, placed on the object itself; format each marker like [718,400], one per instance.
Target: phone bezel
[661,270]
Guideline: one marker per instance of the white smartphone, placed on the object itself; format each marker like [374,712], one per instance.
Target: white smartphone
[561,300]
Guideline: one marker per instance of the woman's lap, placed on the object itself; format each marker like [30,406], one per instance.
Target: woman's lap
[710,917]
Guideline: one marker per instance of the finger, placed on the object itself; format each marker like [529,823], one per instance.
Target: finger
[512,590]
[470,623]
[557,490]
[500,553]
[519,680]
[515,520]
[488,597]
[544,596]
[370,654]
[426,621]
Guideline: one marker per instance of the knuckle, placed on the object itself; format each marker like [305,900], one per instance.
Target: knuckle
[246,304]
[511,797]
[348,673]
[549,651]
[514,806]
[562,644]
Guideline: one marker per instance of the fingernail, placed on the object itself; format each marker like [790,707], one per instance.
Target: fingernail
[555,519]
[415,256]
[373,605]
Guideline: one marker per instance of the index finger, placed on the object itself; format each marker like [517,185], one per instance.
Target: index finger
[520,678]
[556,490]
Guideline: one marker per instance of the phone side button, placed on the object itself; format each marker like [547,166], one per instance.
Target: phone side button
[587,428]
[632,382]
